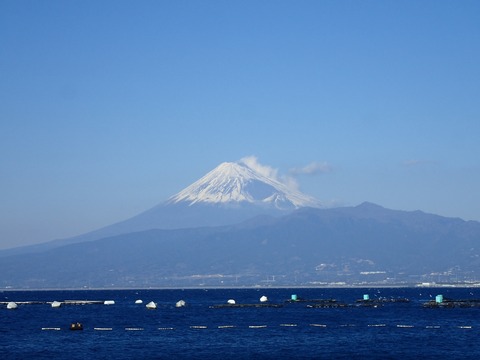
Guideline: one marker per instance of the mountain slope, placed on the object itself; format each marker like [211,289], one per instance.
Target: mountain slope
[353,244]
[230,193]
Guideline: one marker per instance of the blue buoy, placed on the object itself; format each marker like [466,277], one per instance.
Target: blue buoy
[366,297]
[294,297]
[439,299]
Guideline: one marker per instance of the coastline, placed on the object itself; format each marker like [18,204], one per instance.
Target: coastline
[260,287]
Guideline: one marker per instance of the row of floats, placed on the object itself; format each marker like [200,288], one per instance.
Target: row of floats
[366,301]
[11,305]
[79,326]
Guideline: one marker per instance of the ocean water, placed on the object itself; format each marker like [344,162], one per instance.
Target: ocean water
[127,330]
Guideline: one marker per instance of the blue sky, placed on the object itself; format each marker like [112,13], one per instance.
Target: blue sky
[110,107]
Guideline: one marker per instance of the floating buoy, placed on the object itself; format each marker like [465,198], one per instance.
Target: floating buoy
[76,326]
[109,302]
[263,299]
[180,303]
[12,305]
[231,302]
[151,305]
[56,304]
[138,301]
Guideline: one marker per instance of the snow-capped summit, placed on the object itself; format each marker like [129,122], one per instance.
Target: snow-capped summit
[236,182]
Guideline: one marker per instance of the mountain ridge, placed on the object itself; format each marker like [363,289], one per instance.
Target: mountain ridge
[308,246]
[236,227]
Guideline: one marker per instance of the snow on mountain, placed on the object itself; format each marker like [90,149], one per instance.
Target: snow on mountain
[235,182]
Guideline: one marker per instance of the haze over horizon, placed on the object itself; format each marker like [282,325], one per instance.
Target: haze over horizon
[109,108]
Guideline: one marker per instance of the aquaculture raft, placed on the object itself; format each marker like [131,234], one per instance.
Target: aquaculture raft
[448,303]
[246,306]
[327,304]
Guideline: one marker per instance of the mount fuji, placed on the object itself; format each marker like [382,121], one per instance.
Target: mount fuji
[229,194]
[239,226]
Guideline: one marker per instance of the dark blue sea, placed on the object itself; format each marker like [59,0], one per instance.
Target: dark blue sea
[126,330]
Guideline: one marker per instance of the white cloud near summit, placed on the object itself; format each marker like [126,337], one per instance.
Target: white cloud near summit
[313,168]
[265,170]
[270,172]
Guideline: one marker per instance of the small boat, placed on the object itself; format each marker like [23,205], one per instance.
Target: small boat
[138,301]
[263,299]
[231,302]
[12,305]
[151,305]
[109,302]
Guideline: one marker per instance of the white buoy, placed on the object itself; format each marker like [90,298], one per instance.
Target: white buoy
[139,301]
[109,302]
[180,303]
[56,304]
[263,299]
[12,305]
[151,305]
[231,302]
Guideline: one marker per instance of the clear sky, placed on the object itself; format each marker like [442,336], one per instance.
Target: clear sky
[108,108]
